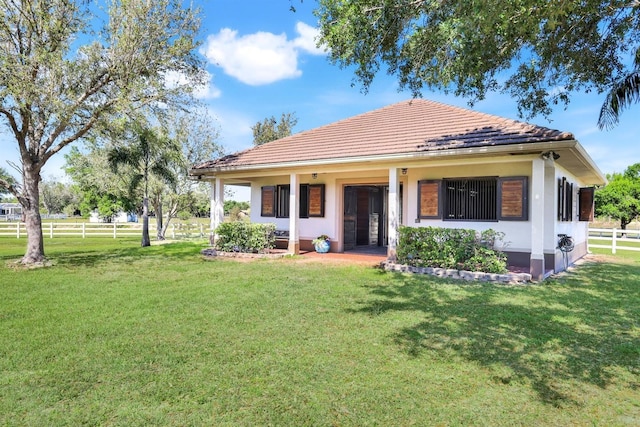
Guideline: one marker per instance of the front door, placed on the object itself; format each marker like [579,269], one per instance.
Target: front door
[364,216]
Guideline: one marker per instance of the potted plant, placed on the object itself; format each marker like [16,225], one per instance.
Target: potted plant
[321,244]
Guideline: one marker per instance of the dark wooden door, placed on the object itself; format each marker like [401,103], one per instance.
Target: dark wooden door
[350,217]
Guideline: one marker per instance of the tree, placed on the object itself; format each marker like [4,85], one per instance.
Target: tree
[69,67]
[6,177]
[270,129]
[98,187]
[620,198]
[149,156]
[197,138]
[537,51]
[56,196]
[624,92]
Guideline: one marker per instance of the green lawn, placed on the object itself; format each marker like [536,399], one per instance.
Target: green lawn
[117,335]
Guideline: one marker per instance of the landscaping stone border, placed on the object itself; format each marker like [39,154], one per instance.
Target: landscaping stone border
[210,252]
[450,273]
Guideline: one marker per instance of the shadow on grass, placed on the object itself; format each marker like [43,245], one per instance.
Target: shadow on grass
[578,330]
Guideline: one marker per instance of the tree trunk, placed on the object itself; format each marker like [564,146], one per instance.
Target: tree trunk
[145,222]
[159,229]
[173,210]
[33,222]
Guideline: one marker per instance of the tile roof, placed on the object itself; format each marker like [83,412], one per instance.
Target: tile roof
[406,127]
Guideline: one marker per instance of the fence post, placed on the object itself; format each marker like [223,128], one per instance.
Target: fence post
[83,230]
[51,230]
[18,230]
[173,231]
[201,230]
[114,230]
[613,241]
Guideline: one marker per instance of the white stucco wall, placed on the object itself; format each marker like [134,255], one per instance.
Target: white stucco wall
[518,234]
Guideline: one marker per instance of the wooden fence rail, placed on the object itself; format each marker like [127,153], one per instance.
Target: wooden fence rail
[616,237]
[89,229]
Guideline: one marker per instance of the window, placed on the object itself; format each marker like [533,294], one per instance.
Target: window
[474,199]
[565,200]
[275,201]
[470,199]
[282,199]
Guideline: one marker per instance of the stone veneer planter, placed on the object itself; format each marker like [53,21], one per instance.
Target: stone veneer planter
[510,278]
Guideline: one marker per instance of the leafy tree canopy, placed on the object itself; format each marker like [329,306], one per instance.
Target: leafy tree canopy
[620,198]
[538,51]
[270,129]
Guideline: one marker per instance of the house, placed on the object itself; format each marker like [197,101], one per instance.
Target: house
[419,163]
[119,217]
[11,211]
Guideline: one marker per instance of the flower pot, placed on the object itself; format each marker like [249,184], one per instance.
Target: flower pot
[322,247]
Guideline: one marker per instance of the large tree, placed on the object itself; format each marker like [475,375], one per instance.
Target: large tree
[70,66]
[620,198]
[271,129]
[538,51]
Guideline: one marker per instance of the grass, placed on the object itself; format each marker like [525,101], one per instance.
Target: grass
[114,334]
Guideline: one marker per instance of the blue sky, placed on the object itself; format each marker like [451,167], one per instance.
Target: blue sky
[319,93]
[263,62]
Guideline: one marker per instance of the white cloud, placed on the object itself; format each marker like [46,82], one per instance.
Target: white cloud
[205,91]
[260,58]
[307,39]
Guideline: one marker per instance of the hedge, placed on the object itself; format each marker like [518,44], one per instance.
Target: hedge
[456,248]
[240,236]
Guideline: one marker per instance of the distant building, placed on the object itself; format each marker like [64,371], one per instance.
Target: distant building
[10,211]
[119,217]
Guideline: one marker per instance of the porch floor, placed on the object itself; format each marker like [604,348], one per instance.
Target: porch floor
[362,254]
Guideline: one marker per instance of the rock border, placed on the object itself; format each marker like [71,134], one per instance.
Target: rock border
[210,252]
[450,273]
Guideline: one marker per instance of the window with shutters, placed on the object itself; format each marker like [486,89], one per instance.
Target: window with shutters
[474,199]
[275,201]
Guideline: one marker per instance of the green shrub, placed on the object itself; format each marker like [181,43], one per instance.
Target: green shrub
[457,248]
[239,236]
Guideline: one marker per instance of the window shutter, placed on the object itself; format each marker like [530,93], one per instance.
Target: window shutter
[316,200]
[513,199]
[429,205]
[268,202]
[586,201]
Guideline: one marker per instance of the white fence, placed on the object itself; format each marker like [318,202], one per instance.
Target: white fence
[616,239]
[114,230]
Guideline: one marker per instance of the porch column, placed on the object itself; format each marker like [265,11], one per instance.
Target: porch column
[217,204]
[294,214]
[536,263]
[394,209]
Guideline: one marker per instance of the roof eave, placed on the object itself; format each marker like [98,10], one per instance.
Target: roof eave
[519,148]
